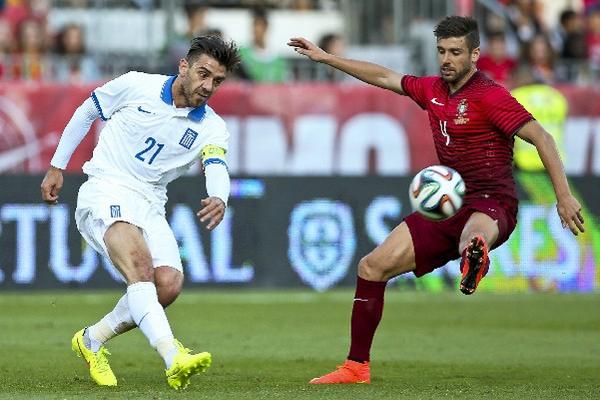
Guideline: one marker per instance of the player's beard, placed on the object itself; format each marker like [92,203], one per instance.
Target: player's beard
[184,90]
[189,95]
[459,76]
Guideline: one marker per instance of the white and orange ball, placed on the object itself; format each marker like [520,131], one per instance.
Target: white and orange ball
[437,192]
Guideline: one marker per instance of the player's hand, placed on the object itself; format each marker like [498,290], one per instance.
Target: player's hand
[569,211]
[213,210]
[308,49]
[51,185]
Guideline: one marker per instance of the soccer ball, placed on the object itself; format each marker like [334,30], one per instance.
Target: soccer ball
[437,192]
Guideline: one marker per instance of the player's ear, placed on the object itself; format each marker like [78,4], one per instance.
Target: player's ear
[475,55]
[184,66]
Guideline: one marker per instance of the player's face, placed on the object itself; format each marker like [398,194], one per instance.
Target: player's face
[455,59]
[201,79]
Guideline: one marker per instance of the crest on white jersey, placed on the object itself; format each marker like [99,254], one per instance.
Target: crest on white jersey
[188,138]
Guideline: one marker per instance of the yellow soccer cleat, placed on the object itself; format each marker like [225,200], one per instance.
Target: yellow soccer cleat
[185,365]
[97,362]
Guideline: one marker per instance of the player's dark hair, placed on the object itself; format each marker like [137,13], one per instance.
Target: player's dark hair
[260,14]
[225,52]
[327,40]
[456,26]
[496,35]
[566,15]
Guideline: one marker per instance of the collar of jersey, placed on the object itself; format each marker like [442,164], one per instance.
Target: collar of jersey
[467,83]
[166,95]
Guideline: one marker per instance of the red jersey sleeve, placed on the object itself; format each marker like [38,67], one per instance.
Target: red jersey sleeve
[415,88]
[504,111]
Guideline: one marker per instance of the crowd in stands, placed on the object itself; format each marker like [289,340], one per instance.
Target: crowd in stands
[569,51]
[522,42]
[30,52]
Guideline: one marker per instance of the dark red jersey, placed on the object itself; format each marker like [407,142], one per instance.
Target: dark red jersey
[473,131]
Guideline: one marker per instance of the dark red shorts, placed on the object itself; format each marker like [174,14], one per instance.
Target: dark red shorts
[436,242]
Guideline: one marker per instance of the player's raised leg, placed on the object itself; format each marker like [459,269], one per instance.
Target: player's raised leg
[393,257]
[129,252]
[478,236]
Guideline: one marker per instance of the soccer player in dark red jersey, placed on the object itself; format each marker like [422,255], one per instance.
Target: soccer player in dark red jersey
[474,122]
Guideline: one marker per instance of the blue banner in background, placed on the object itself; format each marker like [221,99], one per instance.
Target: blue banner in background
[294,232]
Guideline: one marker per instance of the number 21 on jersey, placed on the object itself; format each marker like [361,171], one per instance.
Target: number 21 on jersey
[151,142]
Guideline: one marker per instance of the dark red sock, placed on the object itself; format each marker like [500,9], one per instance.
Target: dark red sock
[366,314]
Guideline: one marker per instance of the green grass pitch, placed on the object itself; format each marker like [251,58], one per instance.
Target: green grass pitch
[267,345]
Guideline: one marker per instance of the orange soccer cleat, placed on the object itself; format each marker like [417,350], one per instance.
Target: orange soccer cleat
[349,372]
[474,265]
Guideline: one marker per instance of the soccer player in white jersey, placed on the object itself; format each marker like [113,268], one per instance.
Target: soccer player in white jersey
[156,127]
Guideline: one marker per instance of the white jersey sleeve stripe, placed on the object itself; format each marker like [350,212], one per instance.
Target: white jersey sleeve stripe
[210,161]
[97,103]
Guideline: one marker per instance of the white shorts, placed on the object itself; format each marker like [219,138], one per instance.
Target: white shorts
[100,204]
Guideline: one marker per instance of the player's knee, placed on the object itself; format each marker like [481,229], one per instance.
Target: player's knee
[371,271]
[168,284]
[364,268]
[167,294]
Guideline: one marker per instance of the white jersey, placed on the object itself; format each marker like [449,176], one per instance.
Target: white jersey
[147,142]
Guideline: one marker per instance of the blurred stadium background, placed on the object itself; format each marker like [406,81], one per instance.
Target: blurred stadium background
[321,165]
[321,162]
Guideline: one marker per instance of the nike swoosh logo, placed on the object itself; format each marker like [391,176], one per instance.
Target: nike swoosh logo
[140,109]
[358,299]
[437,103]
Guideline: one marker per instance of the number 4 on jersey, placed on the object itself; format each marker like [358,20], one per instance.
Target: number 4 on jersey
[150,142]
[444,131]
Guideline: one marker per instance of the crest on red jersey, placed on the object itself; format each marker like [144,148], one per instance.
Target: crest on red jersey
[461,112]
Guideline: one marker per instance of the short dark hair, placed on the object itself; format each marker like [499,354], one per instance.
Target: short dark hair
[456,26]
[566,15]
[260,14]
[327,39]
[193,6]
[226,53]
[496,35]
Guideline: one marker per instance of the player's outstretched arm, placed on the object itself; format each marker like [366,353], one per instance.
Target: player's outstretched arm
[567,205]
[365,71]
[74,132]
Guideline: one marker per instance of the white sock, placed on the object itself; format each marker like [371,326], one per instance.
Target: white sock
[167,350]
[112,324]
[150,317]
[120,319]
[97,335]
